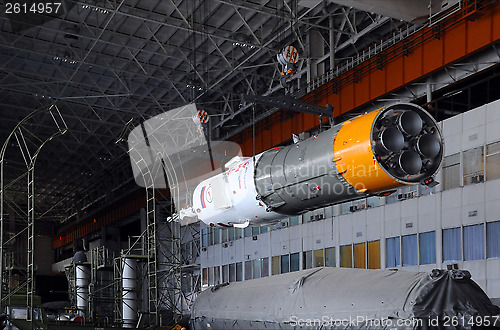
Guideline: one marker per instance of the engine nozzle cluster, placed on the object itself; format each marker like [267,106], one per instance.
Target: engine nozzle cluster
[407,142]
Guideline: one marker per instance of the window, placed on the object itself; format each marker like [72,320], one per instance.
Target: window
[410,254]
[275,266]
[425,190]
[248,270]
[224,235]
[360,255]
[330,257]
[294,262]
[346,256]
[204,237]
[473,166]
[492,239]
[255,231]
[373,201]
[285,263]
[451,171]
[328,212]
[265,267]
[248,231]
[186,284]
[239,271]
[452,245]
[393,198]
[217,275]
[307,217]
[232,272]
[264,229]
[256,268]
[393,252]
[308,260]
[293,221]
[374,255]
[238,233]
[231,233]
[216,235]
[210,276]
[474,242]
[225,273]
[493,161]
[204,274]
[281,224]
[427,246]
[186,251]
[346,207]
[319,260]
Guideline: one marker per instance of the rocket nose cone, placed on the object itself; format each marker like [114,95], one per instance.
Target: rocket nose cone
[410,162]
[410,123]
[428,146]
[392,139]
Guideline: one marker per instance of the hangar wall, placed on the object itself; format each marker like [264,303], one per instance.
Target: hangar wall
[415,229]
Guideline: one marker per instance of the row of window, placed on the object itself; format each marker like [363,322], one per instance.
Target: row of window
[260,267]
[213,236]
[410,250]
[477,166]
[361,255]
[461,243]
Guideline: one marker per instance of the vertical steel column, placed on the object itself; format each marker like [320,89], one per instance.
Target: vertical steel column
[30,150]
[152,269]
[30,282]
[3,278]
[150,232]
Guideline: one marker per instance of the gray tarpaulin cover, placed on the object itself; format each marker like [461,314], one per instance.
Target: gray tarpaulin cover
[342,298]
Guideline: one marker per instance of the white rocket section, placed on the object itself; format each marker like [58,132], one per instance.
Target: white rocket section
[82,289]
[229,198]
[129,294]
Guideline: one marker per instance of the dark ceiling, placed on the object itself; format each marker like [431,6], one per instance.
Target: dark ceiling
[104,64]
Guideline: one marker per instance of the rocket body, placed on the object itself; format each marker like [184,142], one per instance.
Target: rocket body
[229,198]
[371,154]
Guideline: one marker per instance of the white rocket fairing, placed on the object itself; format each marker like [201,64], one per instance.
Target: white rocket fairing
[229,198]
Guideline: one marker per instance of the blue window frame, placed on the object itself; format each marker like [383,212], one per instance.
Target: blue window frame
[410,254]
[393,252]
[427,248]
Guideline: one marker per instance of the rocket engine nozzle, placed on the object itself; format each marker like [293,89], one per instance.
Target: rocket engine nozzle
[410,123]
[407,142]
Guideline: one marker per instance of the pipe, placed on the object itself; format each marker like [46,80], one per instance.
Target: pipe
[129,293]
[82,276]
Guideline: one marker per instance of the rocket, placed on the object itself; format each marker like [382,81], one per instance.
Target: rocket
[372,154]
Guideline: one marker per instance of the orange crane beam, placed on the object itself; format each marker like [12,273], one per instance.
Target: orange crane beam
[475,27]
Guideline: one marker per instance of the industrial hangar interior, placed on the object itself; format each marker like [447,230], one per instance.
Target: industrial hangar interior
[229,164]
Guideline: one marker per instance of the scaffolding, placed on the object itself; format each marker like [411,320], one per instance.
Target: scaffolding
[179,250]
[101,300]
[70,272]
[136,251]
[169,259]
[151,146]
[29,145]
